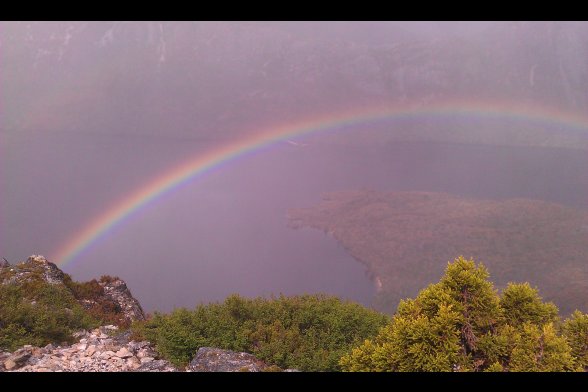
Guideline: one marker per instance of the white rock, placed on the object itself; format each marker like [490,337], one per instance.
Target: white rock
[133,362]
[9,364]
[106,355]
[147,359]
[123,353]
[91,350]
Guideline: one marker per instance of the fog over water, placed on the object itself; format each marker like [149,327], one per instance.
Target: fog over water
[90,112]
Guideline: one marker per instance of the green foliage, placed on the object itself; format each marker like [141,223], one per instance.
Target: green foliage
[575,329]
[33,311]
[39,313]
[272,369]
[539,349]
[522,303]
[309,332]
[462,324]
[495,367]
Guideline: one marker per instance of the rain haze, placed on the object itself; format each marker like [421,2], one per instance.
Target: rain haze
[93,112]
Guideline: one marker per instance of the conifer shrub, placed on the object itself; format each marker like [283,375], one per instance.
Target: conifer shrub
[575,330]
[463,324]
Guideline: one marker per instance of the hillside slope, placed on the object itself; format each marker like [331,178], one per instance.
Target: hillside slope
[406,238]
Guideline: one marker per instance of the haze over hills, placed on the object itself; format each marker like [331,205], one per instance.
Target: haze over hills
[405,240]
[208,79]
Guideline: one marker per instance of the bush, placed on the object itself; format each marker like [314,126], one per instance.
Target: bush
[308,332]
[39,313]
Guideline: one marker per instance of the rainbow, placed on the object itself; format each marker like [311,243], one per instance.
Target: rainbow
[169,180]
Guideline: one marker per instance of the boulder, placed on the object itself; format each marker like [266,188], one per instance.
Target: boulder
[18,359]
[210,359]
[123,353]
[157,366]
[51,273]
[116,289]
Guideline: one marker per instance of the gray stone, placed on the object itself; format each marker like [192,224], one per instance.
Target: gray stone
[91,350]
[18,359]
[209,359]
[118,291]
[52,274]
[157,366]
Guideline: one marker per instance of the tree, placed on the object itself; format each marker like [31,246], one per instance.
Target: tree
[575,329]
[462,324]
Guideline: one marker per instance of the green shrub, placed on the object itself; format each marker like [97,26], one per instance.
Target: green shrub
[462,324]
[575,329]
[39,313]
[308,332]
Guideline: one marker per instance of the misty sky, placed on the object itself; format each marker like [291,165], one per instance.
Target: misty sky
[91,111]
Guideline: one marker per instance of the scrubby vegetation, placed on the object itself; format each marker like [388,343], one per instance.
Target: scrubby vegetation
[39,309]
[100,307]
[463,324]
[308,332]
[39,313]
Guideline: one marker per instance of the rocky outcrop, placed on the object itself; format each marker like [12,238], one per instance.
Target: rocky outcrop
[18,358]
[209,359]
[100,350]
[35,267]
[117,291]
[112,296]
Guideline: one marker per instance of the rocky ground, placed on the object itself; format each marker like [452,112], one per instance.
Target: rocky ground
[209,359]
[100,350]
[105,349]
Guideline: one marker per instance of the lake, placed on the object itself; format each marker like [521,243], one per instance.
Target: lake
[227,232]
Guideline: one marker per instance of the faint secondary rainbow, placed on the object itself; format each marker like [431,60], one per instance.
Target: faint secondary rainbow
[117,213]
